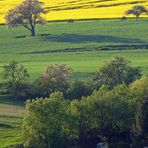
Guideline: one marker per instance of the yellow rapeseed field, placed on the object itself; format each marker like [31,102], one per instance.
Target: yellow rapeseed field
[78,9]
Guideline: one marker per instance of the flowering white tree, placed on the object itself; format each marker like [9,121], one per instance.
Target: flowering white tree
[27,14]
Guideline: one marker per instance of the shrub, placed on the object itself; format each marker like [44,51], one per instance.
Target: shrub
[117,71]
[16,75]
[78,89]
[47,123]
[54,78]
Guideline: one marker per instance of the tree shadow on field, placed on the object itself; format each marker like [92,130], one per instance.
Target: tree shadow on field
[2,125]
[120,43]
[20,37]
[77,38]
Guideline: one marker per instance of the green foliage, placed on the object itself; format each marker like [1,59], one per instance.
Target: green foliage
[15,72]
[117,71]
[112,112]
[16,75]
[138,89]
[40,88]
[140,86]
[140,128]
[45,122]
[78,89]
[107,115]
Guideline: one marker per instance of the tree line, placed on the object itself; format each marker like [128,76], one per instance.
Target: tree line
[57,77]
[29,13]
[118,117]
[111,107]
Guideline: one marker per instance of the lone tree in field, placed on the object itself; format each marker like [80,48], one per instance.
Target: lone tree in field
[27,14]
[137,11]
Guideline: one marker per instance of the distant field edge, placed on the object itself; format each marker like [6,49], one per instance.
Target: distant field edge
[91,19]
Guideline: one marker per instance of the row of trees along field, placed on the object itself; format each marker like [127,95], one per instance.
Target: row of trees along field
[112,107]
[29,13]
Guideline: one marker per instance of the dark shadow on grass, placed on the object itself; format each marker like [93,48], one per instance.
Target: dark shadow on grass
[45,35]
[99,48]
[121,43]
[20,37]
[77,38]
[5,99]
[2,125]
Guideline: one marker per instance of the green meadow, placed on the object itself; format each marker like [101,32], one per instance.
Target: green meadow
[83,45]
[11,114]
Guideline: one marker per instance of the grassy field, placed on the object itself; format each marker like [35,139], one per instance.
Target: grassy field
[83,45]
[76,9]
[10,122]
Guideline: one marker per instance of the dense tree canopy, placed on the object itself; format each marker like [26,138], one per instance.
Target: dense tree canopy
[47,123]
[106,115]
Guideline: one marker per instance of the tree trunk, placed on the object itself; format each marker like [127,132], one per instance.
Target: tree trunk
[82,138]
[32,31]
[137,17]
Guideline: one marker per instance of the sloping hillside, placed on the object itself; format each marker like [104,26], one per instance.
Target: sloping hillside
[78,9]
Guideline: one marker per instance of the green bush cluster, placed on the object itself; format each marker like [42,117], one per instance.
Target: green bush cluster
[106,115]
[111,107]
[56,77]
